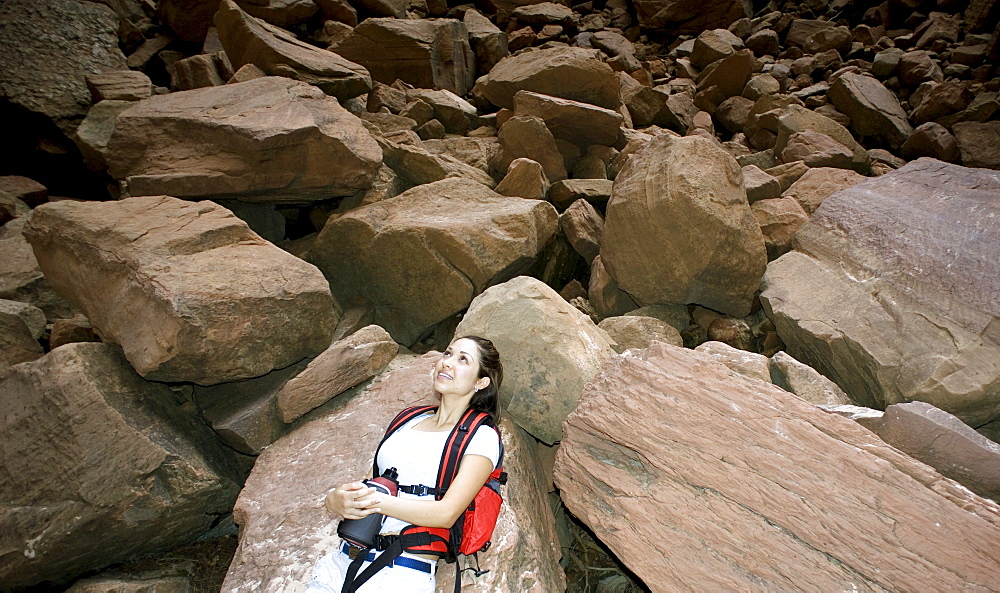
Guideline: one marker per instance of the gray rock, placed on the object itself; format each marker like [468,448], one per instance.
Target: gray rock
[874,110]
[805,381]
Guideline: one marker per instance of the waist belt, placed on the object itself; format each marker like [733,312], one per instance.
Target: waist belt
[405,561]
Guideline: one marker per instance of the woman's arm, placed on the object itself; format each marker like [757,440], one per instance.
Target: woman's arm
[472,475]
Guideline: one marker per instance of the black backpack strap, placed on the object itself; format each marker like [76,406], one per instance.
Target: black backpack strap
[397,422]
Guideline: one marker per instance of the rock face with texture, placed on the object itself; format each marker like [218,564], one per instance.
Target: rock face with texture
[564,118]
[891,290]
[269,139]
[690,16]
[427,53]
[99,465]
[248,40]
[683,199]
[64,40]
[284,528]
[343,365]
[20,277]
[874,110]
[549,351]
[803,380]
[759,510]
[571,73]
[945,443]
[187,289]
[424,255]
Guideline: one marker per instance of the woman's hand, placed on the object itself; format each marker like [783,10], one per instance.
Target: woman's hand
[352,501]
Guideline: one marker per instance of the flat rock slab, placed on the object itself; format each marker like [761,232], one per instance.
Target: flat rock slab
[579,123]
[270,140]
[891,290]
[187,289]
[249,40]
[99,465]
[792,498]
[422,256]
[284,528]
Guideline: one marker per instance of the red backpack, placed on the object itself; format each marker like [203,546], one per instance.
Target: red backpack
[470,534]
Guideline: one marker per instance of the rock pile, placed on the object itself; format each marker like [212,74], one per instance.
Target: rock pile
[294,197]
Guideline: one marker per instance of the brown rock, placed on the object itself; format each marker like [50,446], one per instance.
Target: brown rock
[918,66]
[526,136]
[431,54]
[94,132]
[801,30]
[788,173]
[804,381]
[948,97]
[716,497]
[27,190]
[343,365]
[187,289]
[337,447]
[249,40]
[733,113]
[18,343]
[818,184]
[688,16]
[865,308]
[458,115]
[583,227]
[200,71]
[119,85]
[763,43]
[565,192]
[459,238]
[233,141]
[606,297]
[571,73]
[188,19]
[795,118]
[612,43]
[542,13]
[20,277]
[945,443]
[638,221]
[816,150]
[281,13]
[68,331]
[48,50]
[730,75]
[577,122]
[748,364]
[419,166]
[939,26]
[874,110]
[543,377]
[760,185]
[525,179]
[779,219]
[638,331]
[933,140]
[338,10]
[99,465]
[31,316]
[714,45]
[979,144]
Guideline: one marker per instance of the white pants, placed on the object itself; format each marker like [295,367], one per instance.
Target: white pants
[329,573]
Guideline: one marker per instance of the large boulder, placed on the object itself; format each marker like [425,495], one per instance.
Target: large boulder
[549,351]
[679,228]
[427,53]
[48,50]
[284,528]
[891,290]
[874,110]
[248,40]
[99,465]
[775,505]
[422,256]
[527,136]
[187,289]
[580,123]
[20,277]
[573,73]
[796,118]
[690,16]
[17,344]
[269,139]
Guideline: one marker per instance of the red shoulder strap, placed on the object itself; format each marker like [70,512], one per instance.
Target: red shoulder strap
[400,419]
[454,448]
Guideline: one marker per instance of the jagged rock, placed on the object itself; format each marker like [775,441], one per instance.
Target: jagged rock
[933,140]
[612,43]
[458,237]
[874,110]
[800,30]
[690,16]
[788,173]
[764,43]
[779,220]
[543,13]
[94,132]
[281,13]
[583,227]
[187,289]
[419,166]
[693,266]
[748,364]
[248,40]
[979,144]
[730,75]
[430,54]
[337,447]
[64,39]
[18,343]
[525,179]
[119,85]
[543,376]
[32,317]
[938,26]
[902,316]
[200,71]
[606,297]
[918,66]
[69,331]
[946,98]
[488,42]
[188,19]
[473,151]
[100,465]
[458,115]
[885,62]
[714,45]
[334,32]
[27,190]
[637,331]
[526,136]
[644,443]
[571,73]
[385,8]
[816,149]
[818,184]
[20,277]
[563,118]
[644,104]
[804,381]
[760,85]
[795,118]
[945,443]
[343,365]
[759,185]
[132,583]
[732,113]
[676,316]
[565,192]
[232,141]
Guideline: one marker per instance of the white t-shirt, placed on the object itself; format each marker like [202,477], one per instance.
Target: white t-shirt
[416,455]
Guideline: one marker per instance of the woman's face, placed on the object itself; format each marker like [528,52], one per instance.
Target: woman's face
[457,371]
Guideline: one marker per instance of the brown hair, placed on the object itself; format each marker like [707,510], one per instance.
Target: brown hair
[487,399]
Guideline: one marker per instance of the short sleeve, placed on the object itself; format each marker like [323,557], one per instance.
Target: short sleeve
[485,442]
